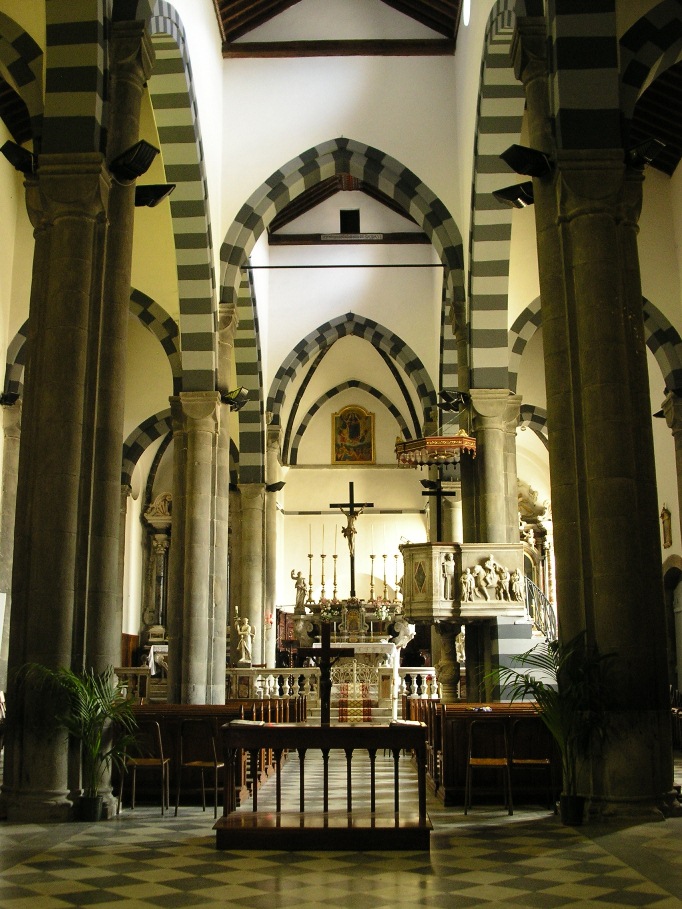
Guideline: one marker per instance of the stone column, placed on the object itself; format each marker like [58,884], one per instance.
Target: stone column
[447,667]
[252,589]
[605,514]
[235,569]
[493,415]
[11,416]
[272,472]
[196,425]
[131,61]
[67,205]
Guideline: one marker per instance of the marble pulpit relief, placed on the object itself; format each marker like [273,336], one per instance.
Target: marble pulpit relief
[452,582]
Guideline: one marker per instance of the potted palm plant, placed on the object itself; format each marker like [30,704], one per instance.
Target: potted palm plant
[94,710]
[570,684]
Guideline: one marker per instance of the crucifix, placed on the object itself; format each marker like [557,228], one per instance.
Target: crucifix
[326,661]
[435,488]
[349,530]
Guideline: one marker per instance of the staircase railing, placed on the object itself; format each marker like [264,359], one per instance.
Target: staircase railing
[541,611]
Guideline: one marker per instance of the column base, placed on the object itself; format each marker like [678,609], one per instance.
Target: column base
[635,811]
[34,806]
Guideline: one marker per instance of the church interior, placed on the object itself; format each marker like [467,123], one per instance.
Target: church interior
[342,325]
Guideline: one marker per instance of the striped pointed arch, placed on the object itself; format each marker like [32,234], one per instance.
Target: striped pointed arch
[76,88]
[175,110]
[648,48]
[342,156]
[523,329]
[357,326]
[317,362]
[535,418]
[249,369]
[332,393]
[154,469]
[155,427]
[499,116]
[23,59]
[15,362]
[662,339]
[162,326]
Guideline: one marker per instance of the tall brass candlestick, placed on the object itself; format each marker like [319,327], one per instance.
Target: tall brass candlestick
[385,586]
[396,577]
[310,578]
[323,557]
[371,580]
[334,598]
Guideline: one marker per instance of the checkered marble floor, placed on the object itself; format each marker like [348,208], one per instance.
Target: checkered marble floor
[143,861]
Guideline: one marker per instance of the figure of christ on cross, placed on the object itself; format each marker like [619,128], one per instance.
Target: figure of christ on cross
[326,661]
[349,530]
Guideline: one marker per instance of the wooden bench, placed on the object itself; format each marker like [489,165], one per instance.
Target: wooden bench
[454,735]
[358,827]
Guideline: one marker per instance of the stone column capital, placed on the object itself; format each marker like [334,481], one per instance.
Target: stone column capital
[132,53]
[528,50]
[11,420]
[494,407]
[672,411]
[252,495]
[70,186]
[273,436]
[196,411]
[228,322]
[590,181]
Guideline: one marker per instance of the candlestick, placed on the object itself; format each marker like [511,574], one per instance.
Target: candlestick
[336,530]
[396,576]
[323,557]
[310,537]
[371,581]
[310,578]
[334,599]
[384,558]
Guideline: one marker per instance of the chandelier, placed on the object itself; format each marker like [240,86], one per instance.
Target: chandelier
[434,451]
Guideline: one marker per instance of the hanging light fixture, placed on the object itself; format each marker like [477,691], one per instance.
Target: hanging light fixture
[434,451]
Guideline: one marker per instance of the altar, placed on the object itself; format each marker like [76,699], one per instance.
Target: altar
[373,670]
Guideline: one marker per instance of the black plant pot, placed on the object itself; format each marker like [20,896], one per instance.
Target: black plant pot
[89,808]
[571,809]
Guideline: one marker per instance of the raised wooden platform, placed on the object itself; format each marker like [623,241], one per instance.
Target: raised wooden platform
[359,826]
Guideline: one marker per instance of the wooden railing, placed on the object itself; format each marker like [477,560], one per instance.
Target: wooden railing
[359,826]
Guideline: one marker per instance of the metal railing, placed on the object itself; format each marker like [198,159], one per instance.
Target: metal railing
[541,611]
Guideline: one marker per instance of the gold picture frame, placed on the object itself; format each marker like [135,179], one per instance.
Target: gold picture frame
[353,436]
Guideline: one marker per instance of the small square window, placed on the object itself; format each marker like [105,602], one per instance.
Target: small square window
[350,221]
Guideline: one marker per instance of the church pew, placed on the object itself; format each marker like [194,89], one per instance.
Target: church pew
[455,719]
[359,827]
[170,717]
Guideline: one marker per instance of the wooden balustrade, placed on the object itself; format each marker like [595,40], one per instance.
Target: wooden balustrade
[358,827]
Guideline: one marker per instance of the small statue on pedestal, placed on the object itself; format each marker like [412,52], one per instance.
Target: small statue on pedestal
[245,638]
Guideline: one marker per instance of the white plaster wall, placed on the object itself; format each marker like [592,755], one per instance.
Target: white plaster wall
[149,381]
[658,246]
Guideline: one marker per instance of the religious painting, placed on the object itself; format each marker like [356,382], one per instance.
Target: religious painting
[353,436]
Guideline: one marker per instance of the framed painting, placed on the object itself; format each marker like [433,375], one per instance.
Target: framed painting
[353,436]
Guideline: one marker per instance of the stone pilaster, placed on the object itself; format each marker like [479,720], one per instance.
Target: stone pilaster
[604,509]
[11,416]
[131,60]
[235,568]
[672,410]
[252,562]
[196,425]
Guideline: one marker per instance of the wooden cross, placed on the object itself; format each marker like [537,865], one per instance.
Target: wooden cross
[349,531]
[324,655]
[435,488]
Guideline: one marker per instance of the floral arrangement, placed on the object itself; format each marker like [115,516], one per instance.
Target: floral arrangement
[382,612]
[330,613]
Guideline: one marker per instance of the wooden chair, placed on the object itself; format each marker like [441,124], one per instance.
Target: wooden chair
[197,751]
[488,748]
[148,755]
[531,749]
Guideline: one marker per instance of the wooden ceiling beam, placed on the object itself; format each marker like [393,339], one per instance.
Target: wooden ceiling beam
[363,48]
[440,16]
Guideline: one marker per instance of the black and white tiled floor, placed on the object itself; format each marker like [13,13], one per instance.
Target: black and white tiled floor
[528,861]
